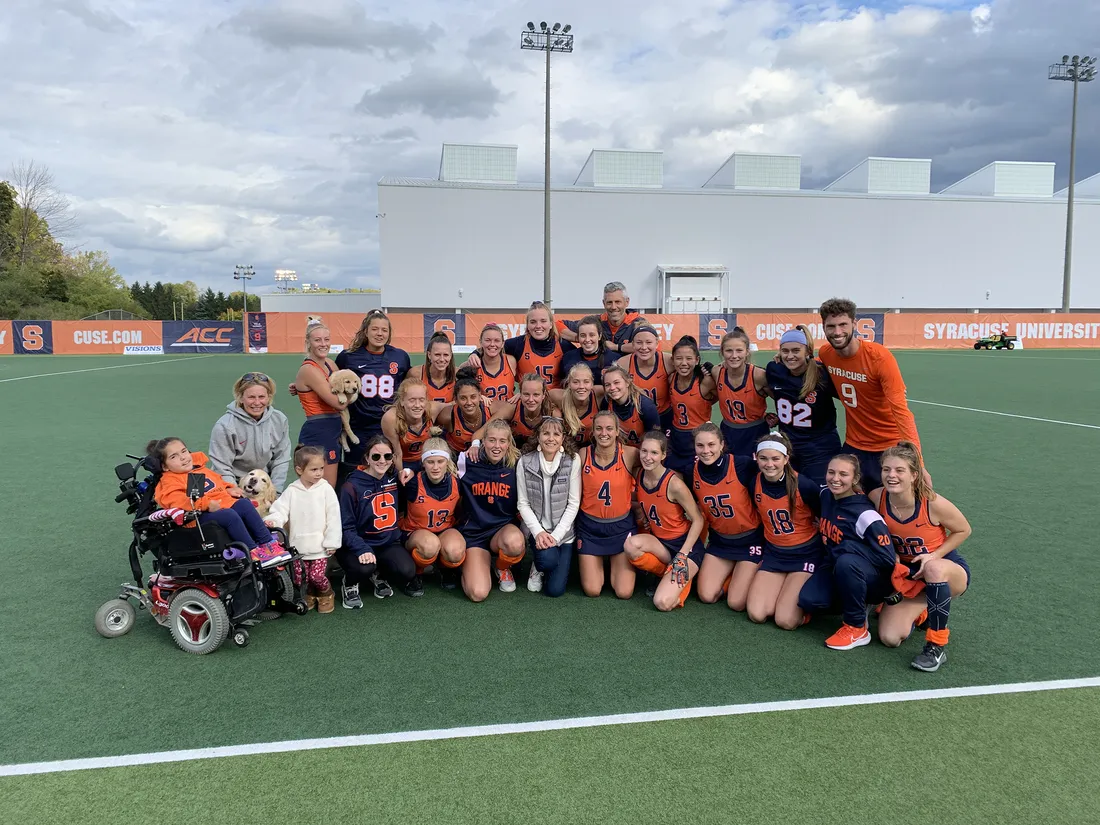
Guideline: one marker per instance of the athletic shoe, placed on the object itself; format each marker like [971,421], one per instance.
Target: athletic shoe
[448,578]
[507,581]
[350,597]
[271,554]
[534,580]
[382,589]
[414,587]
[651,583]
[848,637]
[930,658]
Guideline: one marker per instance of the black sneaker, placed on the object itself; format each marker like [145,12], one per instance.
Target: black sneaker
[651,583]
[382,589]
[415,587]
[448,578]
[930,658]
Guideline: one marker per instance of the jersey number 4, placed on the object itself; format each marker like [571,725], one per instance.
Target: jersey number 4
[651,514]
[604,494]
[796,415]
[384,509]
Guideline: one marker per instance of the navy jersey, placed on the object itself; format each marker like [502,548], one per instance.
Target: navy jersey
[852,524]
[380,374]
[810,422]
[621,334]
[489,497]
[597,363]
[368,511]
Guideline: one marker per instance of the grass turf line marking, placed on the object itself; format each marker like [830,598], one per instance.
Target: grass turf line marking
[97,369]
[1008,415]
[258,748]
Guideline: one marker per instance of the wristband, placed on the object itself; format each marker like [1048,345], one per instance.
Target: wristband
[476,442]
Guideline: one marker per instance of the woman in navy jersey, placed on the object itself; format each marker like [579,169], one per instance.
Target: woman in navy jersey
[722,484]
[490,504]
[372,538]
[742,394]
[381,369]
[591,349]
[803,393]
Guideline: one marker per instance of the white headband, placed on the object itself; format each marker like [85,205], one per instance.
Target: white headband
[434,454]
[778,446]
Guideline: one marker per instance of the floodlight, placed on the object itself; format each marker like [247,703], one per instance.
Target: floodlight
[529,41]
[542,25]
[1065,57]
[566,29]
[556,27]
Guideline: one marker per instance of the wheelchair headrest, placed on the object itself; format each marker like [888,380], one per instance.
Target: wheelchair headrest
[152,464]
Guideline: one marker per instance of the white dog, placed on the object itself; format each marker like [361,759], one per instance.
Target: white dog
[258,488]
[345,386]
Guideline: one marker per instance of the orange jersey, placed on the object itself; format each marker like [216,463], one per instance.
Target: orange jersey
[655,385]
[425,511]
[444,394]
[727,504]
[915,535]
[311,402]
[689,408]
[548,366]
[584,434]
[412,443]
[606,492]
[500,386]
[459,436]
[782,528]
[172,488]
[666,519]
[521,431]
[740,405]
[870,386]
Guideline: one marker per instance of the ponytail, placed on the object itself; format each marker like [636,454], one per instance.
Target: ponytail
[689,342]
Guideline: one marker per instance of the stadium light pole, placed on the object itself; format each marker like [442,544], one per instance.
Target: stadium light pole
[283,278]
[1078,70]
[547,39]
[244,274]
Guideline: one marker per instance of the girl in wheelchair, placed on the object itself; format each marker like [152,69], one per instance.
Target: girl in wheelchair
[217,502]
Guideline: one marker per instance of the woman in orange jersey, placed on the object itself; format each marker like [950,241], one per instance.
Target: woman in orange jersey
[788,504]
[527,409]
[438,371]
[539,349]
[649,369]
[428,523]
[672,548]
[721,483]
[692,393]
[742,394]
[464,421]
[496,371]
[636,412]
[605,520]
[578,403]
[927,530]
[408,424]
[322,426]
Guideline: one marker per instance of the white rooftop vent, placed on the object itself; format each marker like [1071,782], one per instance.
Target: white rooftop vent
[478,163]
[628,168]
[758,170]
[1089,188]
[886,176]
[1004,178]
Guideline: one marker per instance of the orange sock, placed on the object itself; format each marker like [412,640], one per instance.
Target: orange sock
[453,565]
[685,593]
[726,584]
[650,564]
[421,561]
[504,562]
[937,637]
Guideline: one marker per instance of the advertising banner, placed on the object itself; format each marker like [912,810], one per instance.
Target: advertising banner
[765,330]
[962,331]
[32,337]
[203,336]
[453,325]
[712,328]
[6,338]
[257,332]
[105,337]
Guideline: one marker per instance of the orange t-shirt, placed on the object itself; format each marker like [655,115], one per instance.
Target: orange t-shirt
[871,388]
[172,488]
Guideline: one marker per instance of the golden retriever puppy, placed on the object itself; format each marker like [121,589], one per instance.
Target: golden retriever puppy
[258,488]
[345,386]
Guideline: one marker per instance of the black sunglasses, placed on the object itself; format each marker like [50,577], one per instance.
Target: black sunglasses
[381,456]
[254,376]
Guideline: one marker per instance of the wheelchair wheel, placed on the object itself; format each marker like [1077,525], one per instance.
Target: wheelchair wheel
[115,618]
[240,637]
[198,622]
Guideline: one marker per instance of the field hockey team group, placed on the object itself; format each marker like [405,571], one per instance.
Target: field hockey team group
[584,438]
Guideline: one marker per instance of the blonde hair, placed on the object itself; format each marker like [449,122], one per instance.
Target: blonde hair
[635,393]
[253,379]
[550,314]
[398,407]
[441,445]
[360,339]
[907,451]
[313,328]
[512,456]
[569,408]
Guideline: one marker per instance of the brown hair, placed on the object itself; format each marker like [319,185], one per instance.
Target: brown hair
[440,338]
[304,453]
[907,451]
[614,418]
[533,378]
[594,321]
[838,306]
[360,339]
[635,393]
[736,333]
[790,477]
[812,375]
[857,473]
[157,448]
[567,443]
[713,429]
[659,437]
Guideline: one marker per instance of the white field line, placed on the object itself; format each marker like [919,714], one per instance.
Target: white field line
[28,768]
[1008,415]
[97,369]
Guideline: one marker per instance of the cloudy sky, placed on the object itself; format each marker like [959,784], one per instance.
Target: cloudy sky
[192,136]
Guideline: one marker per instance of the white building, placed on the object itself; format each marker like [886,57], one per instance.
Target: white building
[747,240]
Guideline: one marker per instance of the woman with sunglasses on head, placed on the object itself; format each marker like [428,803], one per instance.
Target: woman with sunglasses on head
[591,349]
[372,537]
[438,370]
[649,369]
[381,369]
[540,349]
[251,435]
[490,504]
[322,427]
[548,480]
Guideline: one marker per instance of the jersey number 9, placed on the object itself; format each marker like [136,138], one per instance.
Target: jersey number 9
[848,393]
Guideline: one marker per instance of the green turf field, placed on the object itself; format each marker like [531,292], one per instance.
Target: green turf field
[440,662]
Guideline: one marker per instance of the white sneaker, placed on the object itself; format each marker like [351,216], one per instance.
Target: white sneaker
[534,580]
[507,581]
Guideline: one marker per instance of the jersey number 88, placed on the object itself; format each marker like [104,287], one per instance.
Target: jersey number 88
[376,385]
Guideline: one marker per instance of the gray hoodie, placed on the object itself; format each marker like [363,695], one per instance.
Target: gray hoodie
[239,443]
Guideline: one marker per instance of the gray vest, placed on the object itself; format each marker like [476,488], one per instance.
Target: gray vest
[559,487]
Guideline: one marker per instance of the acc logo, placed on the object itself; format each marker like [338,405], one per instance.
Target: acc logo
[393,368]
[33,338]
[447,326]
[205,336]
[716,329]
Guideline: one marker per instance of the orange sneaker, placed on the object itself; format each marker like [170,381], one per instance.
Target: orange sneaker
[848,637]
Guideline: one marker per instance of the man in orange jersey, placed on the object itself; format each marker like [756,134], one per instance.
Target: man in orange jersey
[869,384]
[618,320]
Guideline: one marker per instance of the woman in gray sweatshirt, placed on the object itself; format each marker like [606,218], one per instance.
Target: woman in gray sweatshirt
[252,435]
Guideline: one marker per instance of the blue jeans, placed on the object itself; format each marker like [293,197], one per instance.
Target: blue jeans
[554,562]
[241,522]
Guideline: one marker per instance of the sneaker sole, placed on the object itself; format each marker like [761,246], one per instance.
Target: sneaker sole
[511,589]
[352,606]
[915,666]
[860,642]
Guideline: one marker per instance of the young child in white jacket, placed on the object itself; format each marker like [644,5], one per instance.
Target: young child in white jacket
[313,512]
